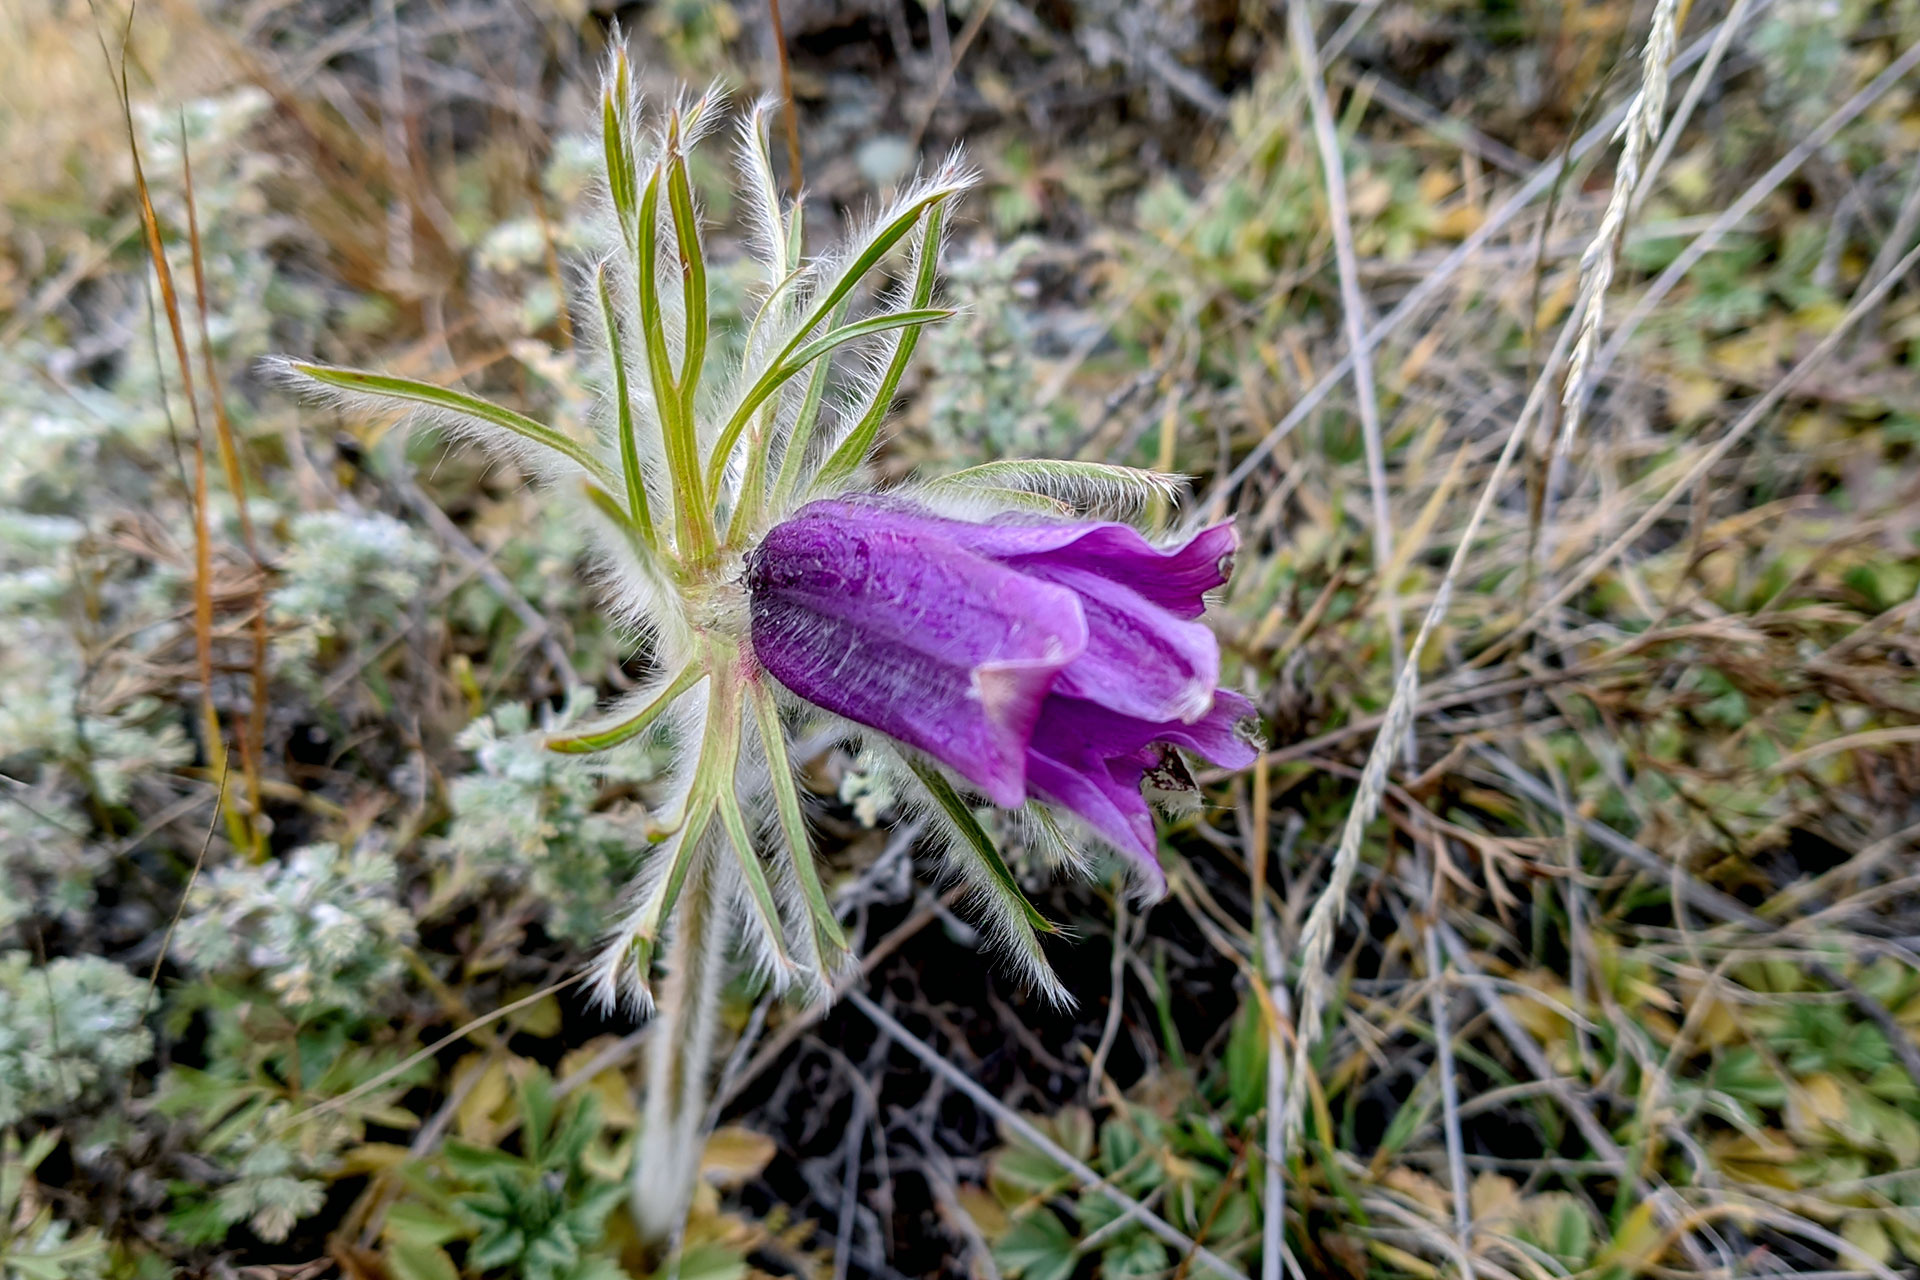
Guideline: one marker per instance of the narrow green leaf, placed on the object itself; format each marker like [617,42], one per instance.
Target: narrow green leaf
[796,233]
[1063,479]
[766,193]
[758,890]
[978,840]
[692,520]
[801,436]
[693,282]
[621,177]
[411,391]
[859,442]
[777,376]
[790,360]
[607,505]
[828,936]
[877,248]
[602,739]
[629,447]
[693,829]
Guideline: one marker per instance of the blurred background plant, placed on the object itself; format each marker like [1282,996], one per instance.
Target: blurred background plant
[1625,982]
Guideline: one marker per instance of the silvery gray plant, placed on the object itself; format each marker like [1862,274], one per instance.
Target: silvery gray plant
[981,636]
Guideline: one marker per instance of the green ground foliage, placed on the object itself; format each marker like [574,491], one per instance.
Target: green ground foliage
[1626,981]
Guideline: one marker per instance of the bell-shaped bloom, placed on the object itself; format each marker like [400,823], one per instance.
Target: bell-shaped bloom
[1053,661]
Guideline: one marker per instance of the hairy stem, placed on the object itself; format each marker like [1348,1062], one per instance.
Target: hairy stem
[666,1164]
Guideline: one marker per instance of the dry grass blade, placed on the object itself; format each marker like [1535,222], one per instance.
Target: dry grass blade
[1317,936]
[255,732]
[413,1060]
[193,877]
[1430,286]
[1597,264]
[1756,413]
[239,828]
[1353,314]
[1894,75]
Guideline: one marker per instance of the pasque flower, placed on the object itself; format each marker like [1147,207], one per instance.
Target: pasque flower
[1002,644]
[1055,661]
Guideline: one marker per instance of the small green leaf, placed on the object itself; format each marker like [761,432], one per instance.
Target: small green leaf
[859,442]
[1247,1061]
[829,940]
[1134,1254]
[978,841]
[1038,1247]
[412,391]
[577,744]
[780,374]
[419,1225]
[409,1260]
[536,1113]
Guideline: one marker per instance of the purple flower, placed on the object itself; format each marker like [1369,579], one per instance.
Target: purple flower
[1055,661]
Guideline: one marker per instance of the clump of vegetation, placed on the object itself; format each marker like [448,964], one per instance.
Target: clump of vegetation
[534,819]
[70,1034]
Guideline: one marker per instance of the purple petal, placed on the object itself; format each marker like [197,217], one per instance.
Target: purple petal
[1216,735]
[895,626]
[1108,799]
[1089,761]
[1175,578]
[1141,660]
[1079,732]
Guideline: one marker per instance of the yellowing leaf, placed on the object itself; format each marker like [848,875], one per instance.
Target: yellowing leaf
[372,1157]
[1437,184]
[1693,395]
[1494,1198]
[609,1086]
[985,1211]
[1637,1245]
[1460,221]
[1864,1232]
[541,1018]
[478,1117]
[1420,1188]
[1818,1104]
[735,1155]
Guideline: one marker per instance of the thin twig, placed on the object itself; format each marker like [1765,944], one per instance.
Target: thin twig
[481,563]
